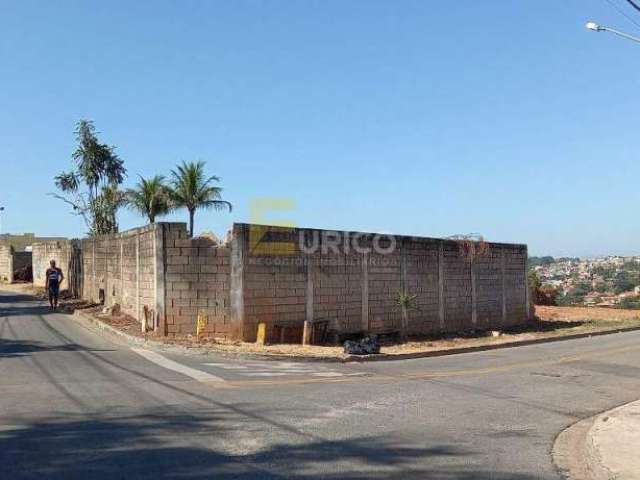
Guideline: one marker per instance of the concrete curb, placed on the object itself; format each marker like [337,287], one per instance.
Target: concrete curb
[602,447]
[482,348]
[78,314]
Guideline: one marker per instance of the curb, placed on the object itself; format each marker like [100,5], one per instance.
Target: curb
[482,348]
[78,314]
[576,453]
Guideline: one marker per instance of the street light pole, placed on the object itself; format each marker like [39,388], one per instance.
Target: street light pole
[1,210]
[600,28]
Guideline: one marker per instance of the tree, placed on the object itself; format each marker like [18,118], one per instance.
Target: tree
[540,294]
[150,197]
[91,188]
[193,190]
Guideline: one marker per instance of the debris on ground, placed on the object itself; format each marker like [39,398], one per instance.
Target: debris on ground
[24,274]
[366,346]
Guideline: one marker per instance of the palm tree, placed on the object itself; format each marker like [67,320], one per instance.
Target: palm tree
[191,189]
[150,198]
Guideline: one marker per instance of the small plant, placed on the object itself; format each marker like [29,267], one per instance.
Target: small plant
[406,301]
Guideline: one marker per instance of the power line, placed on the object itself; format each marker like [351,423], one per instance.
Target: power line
[634,5]
[623,13]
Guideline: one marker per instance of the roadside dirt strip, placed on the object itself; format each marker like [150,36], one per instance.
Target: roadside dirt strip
[603,447]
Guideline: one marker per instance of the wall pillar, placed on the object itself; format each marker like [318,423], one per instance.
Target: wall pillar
[504,286]
[526,286]
[365,292]
[94,286]
[404,317]
[159,321]
[10,262]
[441,312]
[138,316]
[107,296]
[236,283]
[309,290]
[474,293]
[121,270]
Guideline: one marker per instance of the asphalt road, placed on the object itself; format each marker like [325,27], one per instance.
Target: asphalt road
[75,404]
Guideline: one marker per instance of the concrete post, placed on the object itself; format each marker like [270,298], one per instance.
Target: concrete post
[504,286]
[365,292]
[474,293]
[526,285]
[404,317]
[159,269]
[236,283]
[306,333]
[10,262]
[121,270]
[441,284]
[309,290]
[94,287]
[138,316]
[107,246]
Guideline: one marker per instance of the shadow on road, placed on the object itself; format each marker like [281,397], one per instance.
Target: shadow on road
[198,447]
[16,348]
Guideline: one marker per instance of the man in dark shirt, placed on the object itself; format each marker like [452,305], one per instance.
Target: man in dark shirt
[54,278]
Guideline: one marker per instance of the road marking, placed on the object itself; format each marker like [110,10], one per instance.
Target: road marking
[164,362]
[225,366]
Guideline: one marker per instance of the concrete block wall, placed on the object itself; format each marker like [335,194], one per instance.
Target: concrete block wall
[43,253]
[121,269]
[282,284]
[6,263]
[159,275]
[196,282]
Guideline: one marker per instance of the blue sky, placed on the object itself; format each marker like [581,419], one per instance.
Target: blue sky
[414,117]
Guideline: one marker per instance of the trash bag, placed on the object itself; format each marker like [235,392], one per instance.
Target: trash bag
[366,346]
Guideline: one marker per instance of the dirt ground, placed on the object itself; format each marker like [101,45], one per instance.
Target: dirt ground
[551,322]
[586,313]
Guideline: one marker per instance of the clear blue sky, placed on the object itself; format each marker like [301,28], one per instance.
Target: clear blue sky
[424,117]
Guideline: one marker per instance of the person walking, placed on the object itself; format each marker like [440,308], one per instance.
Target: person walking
[54,278]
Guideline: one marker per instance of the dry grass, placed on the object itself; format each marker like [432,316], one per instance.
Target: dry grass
[598,314]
